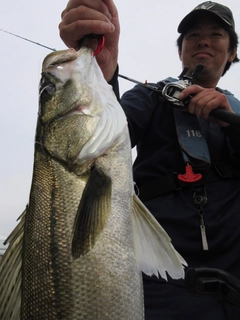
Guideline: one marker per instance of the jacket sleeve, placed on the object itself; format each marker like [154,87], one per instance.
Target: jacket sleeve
[114,83]
[233,134]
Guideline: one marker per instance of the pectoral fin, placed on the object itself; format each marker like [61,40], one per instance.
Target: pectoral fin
[93,212]
[11,274]
[154,250]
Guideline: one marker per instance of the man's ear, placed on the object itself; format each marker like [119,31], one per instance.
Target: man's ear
[232,55]
[180,54]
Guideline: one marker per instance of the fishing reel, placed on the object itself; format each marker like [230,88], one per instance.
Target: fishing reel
[171,91]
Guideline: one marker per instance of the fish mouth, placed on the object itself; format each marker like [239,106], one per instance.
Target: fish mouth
[76,109]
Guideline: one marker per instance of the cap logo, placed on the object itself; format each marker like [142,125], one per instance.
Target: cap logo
[206,5]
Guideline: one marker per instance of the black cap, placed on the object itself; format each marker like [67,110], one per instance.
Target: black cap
[214,8]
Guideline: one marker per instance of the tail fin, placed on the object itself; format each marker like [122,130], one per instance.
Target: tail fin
[154,251]
[11,274]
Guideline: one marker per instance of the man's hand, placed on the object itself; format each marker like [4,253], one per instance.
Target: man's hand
[204,100]
[99,17]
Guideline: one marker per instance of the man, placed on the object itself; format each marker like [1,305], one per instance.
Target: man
[174,145]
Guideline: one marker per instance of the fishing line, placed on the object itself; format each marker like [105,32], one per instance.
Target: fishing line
[39,44]
[42,45]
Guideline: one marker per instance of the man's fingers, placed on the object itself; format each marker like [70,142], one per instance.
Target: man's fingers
[96,5]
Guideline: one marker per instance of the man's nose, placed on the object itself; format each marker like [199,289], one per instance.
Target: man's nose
[203,41]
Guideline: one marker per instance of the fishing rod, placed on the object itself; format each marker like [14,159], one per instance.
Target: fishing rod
[170,91]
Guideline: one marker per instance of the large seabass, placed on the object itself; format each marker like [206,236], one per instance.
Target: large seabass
[84,238]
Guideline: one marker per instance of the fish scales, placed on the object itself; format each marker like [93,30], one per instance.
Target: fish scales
[84,238]
[55,277]
[113,258]
[46,255]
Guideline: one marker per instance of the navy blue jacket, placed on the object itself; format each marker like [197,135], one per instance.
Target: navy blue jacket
[152,129]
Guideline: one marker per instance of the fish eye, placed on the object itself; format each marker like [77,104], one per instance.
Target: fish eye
[47,90]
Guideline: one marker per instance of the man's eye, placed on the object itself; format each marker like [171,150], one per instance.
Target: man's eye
[217,34]
[193,35]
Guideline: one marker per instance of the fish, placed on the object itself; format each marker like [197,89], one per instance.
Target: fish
[84,238]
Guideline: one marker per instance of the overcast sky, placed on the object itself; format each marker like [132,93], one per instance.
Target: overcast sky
[147,52]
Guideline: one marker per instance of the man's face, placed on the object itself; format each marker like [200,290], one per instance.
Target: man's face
[206,43]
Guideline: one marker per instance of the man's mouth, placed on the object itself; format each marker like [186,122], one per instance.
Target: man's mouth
[202,54]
